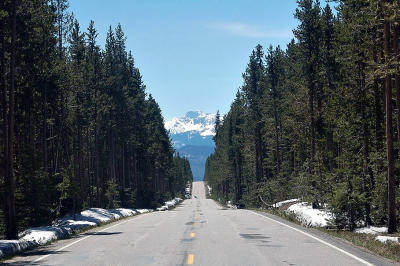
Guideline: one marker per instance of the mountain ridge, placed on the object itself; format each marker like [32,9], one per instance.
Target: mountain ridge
[192,137]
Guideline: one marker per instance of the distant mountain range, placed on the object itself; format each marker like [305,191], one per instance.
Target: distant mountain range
[192,137]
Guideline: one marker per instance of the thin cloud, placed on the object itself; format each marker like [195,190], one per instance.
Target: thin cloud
[246,30]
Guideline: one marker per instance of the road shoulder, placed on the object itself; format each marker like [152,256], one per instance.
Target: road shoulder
[340,243]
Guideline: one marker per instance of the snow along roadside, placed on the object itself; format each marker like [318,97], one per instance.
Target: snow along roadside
[378,231]
[68,226]
[308,216]
[315,238]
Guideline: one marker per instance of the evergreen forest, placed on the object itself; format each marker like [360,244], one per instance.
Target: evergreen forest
[319,119]
[77,128]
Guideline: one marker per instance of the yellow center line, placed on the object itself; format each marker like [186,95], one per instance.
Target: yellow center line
[192,234]
[190,259]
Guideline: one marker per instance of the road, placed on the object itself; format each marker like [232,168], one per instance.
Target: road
[200,232]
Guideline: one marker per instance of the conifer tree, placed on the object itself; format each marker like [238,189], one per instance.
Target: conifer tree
[76,117]
[320,104]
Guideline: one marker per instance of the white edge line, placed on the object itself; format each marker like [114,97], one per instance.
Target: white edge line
[318,239]
[86,237]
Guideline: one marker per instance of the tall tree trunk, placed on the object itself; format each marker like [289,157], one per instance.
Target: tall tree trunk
[11,219]
[277,147]
[44,126]
[89,164]
[397,77]
[378,114]
[113,169]
[312,137]
[96,138]
[392,227]
[4,107]
[60,18]
[123,167]
[96,154]
[312,122]
[377,99]
[79,157]
[240,174]
[135,170]
[368,174]
[258,144]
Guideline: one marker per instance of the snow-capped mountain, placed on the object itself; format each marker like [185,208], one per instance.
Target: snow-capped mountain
[196,121]
[196,128]
[192,137]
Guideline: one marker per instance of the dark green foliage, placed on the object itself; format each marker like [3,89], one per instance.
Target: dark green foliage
[86,133]
[112,195]
[313,115]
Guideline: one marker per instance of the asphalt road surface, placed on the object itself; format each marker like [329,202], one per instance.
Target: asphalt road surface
[200,232]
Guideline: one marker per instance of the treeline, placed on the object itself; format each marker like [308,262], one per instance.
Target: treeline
[319,120]
[78,129]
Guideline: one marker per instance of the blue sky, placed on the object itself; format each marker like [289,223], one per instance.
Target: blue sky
[192,53]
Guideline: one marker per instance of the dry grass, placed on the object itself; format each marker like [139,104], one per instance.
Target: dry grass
[390,250]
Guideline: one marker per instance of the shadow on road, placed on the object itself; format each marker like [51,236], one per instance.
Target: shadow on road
[42,251]
[32,253]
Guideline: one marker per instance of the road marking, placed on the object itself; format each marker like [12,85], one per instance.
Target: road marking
[318,239]
[192,234]
[86,237]
[190,259]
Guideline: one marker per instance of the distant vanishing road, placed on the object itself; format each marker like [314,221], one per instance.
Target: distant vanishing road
[200,232]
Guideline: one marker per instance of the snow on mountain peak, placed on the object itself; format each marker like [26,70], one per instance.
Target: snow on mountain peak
[194,121]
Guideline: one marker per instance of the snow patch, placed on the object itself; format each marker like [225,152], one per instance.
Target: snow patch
[371,230]
[386,239]
[230,206]
[42,235]
[62,228]
[169,204]
[281,203]
[141,211]
[67,226]
[209,190]
[162,208]
[309,216]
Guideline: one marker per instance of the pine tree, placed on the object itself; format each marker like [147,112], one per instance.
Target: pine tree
[309,33]
[217,125]
[64,20]
[9,182]
[77,118]
[274,77]
[392,226]
[320,105]
[4,107]
[253,92]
